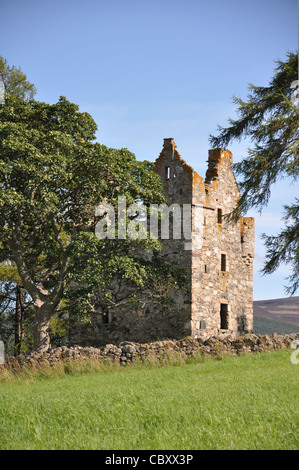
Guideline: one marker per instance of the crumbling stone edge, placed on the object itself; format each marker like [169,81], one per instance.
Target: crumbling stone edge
[127,351]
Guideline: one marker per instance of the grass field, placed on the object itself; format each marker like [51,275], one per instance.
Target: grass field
[246,402]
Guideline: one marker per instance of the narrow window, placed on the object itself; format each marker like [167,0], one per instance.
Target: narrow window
[107,317]
[242,238]
[219,216]
[206,268]
[223,263]
[242,323]
[223,316]
[167,172]
[202,325]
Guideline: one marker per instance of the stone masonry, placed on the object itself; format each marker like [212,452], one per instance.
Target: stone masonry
[158,352]
[217,256]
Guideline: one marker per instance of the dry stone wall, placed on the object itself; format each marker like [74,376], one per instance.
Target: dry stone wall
[159,351]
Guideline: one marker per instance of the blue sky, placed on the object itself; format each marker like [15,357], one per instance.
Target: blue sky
[151,69]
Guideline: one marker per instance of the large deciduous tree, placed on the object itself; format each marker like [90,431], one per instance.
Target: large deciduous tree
[270,118]
[52,176]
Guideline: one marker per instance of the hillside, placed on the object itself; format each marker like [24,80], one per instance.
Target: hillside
[276,315]
[285,310]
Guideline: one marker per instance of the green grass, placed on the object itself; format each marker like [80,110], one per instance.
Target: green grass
[246,402]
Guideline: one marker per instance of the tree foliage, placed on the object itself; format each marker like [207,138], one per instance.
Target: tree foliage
[271,120]
[52,176]
[15,81]
[14,305]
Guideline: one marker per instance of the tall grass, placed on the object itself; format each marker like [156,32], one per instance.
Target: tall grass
[246,402]
[17,372]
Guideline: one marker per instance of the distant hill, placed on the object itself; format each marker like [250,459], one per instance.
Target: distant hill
[276,316]
[285,310]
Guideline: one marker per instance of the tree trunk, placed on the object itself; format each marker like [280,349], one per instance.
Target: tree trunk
[19,332]
[41,336]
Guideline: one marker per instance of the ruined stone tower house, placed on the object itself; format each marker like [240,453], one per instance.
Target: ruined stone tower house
[218,260]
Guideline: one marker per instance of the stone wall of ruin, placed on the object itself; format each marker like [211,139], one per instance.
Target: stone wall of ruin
[217,259]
